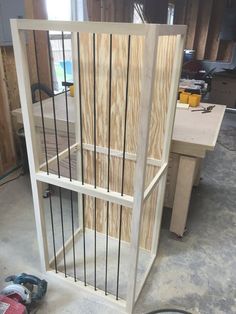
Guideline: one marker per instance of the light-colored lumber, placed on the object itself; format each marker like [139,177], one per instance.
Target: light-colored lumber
[142,149]
[33,156]
[187,166]
[68,246]
[88,189]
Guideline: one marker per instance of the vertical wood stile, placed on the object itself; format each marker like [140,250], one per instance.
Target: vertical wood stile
[149,62]
[167,138]
[26,104]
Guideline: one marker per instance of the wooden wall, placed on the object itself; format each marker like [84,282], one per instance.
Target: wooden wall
[110,10]
[204,19]
[35,9]
[9,93]
[7,147]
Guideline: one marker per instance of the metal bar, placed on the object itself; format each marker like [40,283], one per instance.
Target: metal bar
[73,232]
[53,232]
[66,100]
[82,157]
[41,104]
[69,155]
[123,167]
[108,161]
[53,105]
[62,231]
[94,161]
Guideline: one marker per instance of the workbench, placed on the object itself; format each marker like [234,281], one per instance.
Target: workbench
[194,134]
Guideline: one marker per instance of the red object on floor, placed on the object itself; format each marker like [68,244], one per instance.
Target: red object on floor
[10,306]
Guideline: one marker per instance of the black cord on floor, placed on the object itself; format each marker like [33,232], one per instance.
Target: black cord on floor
[19,175]
[169,310]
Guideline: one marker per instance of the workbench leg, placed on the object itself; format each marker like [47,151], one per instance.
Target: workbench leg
[184,184]
[197,175]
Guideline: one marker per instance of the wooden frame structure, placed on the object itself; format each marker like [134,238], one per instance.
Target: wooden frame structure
[153,54]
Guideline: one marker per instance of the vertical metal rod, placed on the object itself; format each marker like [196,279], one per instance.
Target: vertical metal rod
[62,231]
[69,156]
[53,104]
[66,100]
[82,157]
[73,232]
[57,152]
[53,232]
[94,161]
[123,167]
[41,104]
[108,160]
[84,242]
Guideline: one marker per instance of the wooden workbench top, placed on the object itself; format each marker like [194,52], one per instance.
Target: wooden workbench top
[198,128]
[194,132]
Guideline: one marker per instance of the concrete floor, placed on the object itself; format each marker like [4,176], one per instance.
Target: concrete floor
[197,273]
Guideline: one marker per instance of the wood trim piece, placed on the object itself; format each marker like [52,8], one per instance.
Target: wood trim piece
[97,27]
[62,155]
[103,150]
[91,27]
[67,247]
[88,189]
[145,275]
[150,53]
[117,305]
[155,180]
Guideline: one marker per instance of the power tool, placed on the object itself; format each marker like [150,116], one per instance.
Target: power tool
[21,294]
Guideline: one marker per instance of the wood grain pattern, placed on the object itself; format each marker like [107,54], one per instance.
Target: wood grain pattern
[191,21]
[165,55]
[37,10]
[203,24]
[213,40]
[7,149]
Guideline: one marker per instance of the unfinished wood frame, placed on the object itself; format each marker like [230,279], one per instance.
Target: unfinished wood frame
[137,68]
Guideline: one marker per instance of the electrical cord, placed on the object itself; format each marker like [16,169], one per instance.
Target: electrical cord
[169,310]
[19,175]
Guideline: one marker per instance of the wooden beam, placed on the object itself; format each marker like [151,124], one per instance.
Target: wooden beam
[180,11]
[203,23]
[191,21]
[7,148]
[156,11]
[225,50]
[95,10]
[213,41]
[36,9]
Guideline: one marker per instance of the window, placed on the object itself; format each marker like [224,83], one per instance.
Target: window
[138,16]
[170,13]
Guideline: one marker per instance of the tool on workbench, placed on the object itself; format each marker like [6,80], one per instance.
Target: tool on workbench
[23,293]
[205,109]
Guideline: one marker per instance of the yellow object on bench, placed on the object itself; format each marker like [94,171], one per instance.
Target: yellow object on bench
[194,100]
[72,90]
[183,97]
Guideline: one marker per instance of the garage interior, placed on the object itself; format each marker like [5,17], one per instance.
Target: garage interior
[194,270]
